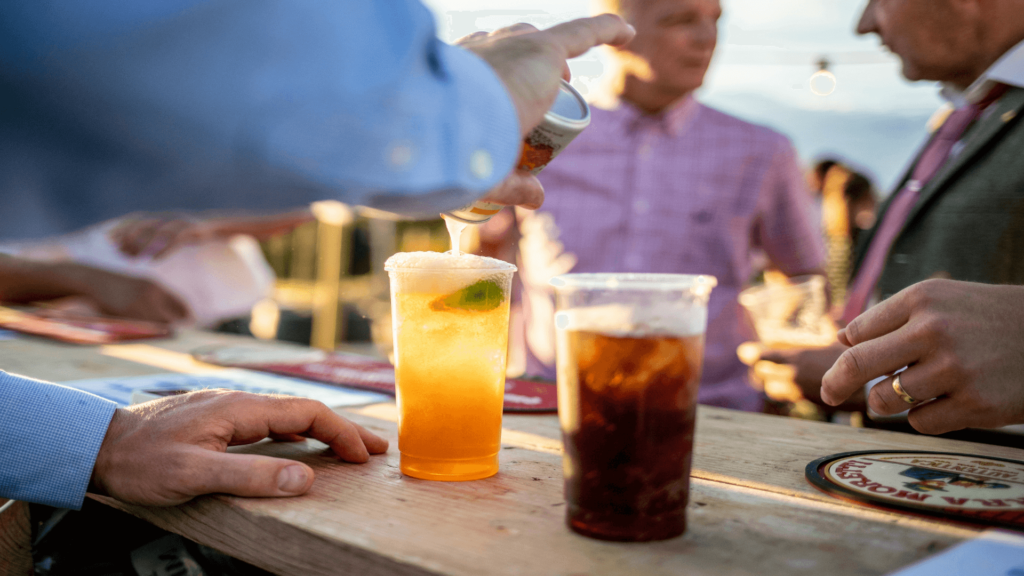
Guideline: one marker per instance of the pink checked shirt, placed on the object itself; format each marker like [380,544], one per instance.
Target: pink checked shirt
[691,191]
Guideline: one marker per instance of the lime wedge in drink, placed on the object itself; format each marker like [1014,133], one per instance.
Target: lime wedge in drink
[479,297]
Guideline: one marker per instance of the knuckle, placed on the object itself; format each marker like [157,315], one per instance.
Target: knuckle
[520,26]
[850,364]
[933,327]
[917,294]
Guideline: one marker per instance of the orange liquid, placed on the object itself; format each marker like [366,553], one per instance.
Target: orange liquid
[450,370]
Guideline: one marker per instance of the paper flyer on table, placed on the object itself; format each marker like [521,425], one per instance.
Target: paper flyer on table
[993,553]
[120,389]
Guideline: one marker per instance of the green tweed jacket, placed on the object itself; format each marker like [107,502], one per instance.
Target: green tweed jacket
[968,223]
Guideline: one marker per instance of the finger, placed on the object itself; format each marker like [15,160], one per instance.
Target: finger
[135,236]
[176,308]
[513,30]
[166,238]
[919,381]
[520,188]
[470,38]
[287,437]
[939,416]
[374,444]
[248,475]
[566,73]
[867,361]
[284,415]
[882,318]
[161,306]
[576,37]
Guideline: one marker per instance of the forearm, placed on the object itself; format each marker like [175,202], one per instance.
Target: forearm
[50,436]
[23,281]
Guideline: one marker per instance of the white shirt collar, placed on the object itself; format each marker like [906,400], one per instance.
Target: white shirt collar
[1009,69]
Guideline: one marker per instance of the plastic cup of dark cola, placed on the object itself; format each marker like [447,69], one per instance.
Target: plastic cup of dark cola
[629,355]
[568,116]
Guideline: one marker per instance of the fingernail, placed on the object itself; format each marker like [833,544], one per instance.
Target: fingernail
[292,479]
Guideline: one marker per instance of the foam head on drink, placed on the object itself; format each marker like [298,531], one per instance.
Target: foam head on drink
[450,322]
[627,383]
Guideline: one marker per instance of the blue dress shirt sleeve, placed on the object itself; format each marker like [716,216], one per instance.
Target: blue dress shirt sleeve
[112,106]
[49,438]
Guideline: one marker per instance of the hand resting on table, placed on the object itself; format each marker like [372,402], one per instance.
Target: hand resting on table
[167,451]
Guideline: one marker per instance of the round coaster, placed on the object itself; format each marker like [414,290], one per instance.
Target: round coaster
[956,486]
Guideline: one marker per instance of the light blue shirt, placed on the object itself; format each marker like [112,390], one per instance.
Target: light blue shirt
[49,438]
[111,106]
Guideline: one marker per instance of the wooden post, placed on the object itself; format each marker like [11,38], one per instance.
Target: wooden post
[332,258]
[15,539]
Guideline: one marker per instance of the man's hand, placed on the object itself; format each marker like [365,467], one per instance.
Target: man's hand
[24,281]
[126,296]
[156,236]
[530,61]
[520,188]
[963,343]
[167,451]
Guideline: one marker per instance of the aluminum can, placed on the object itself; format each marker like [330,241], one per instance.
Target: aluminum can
[568,116]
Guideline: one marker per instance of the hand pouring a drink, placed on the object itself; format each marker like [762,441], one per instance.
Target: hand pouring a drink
[551,112]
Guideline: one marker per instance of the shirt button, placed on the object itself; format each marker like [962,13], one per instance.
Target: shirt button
[401,155]
[641,206]
[644,151]
[900,258]
[481,165]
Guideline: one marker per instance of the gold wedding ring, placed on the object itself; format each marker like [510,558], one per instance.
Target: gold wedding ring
[898,389]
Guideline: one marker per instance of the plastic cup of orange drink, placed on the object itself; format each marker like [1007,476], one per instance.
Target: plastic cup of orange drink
[450,323]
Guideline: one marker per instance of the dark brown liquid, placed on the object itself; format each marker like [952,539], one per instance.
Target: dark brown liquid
[630,454]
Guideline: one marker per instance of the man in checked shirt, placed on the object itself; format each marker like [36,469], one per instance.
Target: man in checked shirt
[662,183]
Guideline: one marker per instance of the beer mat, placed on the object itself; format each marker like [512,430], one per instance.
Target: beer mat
[80,329]
[355,371]
[134,389]
[965,487]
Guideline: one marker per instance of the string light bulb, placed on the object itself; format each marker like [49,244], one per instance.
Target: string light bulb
[823,82]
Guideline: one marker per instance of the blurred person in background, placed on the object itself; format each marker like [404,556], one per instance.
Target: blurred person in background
[816,183]
[847,208]
[112,107]
[662,183]
[861,205]
[163,268]
[957,214]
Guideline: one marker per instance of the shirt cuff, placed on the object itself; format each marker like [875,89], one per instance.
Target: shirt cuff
[49,438]
[488,122]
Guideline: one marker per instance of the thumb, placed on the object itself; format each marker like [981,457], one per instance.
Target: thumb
[251,475]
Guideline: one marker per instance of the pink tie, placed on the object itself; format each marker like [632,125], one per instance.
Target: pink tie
[931,161]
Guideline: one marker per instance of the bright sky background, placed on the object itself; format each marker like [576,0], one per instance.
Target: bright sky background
[767,51]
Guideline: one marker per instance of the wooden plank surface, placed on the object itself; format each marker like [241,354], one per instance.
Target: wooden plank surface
[15,539]
[751,510]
